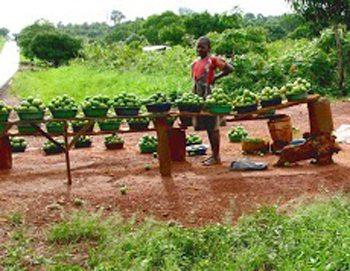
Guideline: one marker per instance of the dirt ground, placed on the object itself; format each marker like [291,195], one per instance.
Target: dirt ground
[194,196]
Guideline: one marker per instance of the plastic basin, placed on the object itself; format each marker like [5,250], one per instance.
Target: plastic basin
[247,109]
[191,108]
[114,146]
[127,111]
[220,109]
[95,112]
[138,125]
[64,113]
[158,108]
[4,117]
[109,126]
[272,102]
[296,97]
[80,145]
[31,115]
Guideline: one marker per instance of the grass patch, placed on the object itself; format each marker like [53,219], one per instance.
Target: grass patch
[80,81]
[315,237]
[80,227]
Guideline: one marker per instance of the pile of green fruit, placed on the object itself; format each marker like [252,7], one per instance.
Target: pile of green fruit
[138,120]
[218,98]
[18,144]
[96,102]
[55,127]
[113,139]
[126,100]
[64,102]
[193,140]
[83,142]
[189,98]
[158,98]
[51,148]
[237,134]
[269,93]
[31,104]
[4,109]
[246,99]
[299,86]
[148,144]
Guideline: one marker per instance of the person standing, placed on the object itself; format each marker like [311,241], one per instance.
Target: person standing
[204,77]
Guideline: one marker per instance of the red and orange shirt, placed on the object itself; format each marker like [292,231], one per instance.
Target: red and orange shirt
[206,67]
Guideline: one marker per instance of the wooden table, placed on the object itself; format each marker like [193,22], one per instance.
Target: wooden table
[161,129]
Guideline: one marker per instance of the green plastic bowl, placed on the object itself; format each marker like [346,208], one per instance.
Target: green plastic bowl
[26,129]
[55,129]
[296,97]
[148,149]
[64,113]
[108,126]
[4,117]
[95,113]
[220,109]
[31,115]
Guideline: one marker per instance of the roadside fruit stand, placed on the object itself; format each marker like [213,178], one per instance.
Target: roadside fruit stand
[33,120]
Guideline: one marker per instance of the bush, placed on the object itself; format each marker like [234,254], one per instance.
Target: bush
[54,47]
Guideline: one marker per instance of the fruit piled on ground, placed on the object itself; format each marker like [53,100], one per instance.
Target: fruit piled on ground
[4,108]
[31,104]
[64,102]
[269,93]
[158,98]
[299,86]
[246,99]
[189,98]
[114,139]
[218,97]
[236,134]
[83,139]
[96,102]
[192,139]
[48,145]
[148,142]
[126,100]
[18,142]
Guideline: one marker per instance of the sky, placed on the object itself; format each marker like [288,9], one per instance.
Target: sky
[16,14]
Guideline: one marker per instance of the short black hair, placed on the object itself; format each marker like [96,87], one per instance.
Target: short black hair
[205,40]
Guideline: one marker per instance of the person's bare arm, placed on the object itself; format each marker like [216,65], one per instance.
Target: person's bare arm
[226,71]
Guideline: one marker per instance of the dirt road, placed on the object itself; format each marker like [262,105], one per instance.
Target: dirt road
[194,196]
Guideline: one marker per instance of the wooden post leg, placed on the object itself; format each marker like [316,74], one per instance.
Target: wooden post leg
[163,147]
[5,153]
[320,116]
[66,151]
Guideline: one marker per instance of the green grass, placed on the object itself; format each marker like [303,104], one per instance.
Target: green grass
[314,237]
[80,81]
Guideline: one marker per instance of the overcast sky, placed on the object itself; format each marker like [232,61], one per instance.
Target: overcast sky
[16,14]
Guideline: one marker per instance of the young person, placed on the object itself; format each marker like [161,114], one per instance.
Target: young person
[204,76]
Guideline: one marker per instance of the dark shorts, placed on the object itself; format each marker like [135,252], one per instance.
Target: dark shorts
[206,123]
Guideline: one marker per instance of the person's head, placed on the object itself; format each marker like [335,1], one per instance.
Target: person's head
[203,47]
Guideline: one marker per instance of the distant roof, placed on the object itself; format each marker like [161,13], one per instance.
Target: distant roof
[156,48]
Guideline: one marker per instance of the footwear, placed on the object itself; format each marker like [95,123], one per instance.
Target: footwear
[205,160]
[212,161]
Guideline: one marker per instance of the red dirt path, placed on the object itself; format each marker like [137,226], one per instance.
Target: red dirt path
[194,196]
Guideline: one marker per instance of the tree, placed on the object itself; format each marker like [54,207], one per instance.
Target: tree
[55,47]
[328,13]
[26,36]
[117,16]
[4,32]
